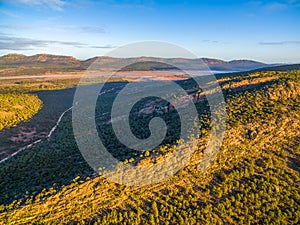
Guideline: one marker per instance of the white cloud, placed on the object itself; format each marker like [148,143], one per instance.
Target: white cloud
[85,29]
[281,5]
[10,14]
[9,42]
[275,6]
[17,43]
[279,43]
[53,4]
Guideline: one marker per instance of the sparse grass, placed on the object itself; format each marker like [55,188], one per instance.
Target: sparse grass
[30,85]
[254,179]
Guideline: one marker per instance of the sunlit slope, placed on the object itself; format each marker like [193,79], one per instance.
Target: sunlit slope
[254,179]
[15,108]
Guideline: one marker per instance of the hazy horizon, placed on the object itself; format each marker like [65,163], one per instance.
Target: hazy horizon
[83,59]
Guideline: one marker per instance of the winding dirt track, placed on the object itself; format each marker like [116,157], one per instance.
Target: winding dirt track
[38,141]
[127,75]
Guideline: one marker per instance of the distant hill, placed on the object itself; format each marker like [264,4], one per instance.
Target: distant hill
[19,59]
[17,64]
[151,63]
[53,63]
[281,68]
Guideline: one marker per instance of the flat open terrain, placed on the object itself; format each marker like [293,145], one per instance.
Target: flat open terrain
[134,75]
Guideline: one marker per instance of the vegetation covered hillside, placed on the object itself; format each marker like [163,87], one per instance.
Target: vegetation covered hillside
[17,64]
[15,108]
[254,179]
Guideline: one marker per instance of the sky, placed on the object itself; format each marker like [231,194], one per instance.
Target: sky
[266,31]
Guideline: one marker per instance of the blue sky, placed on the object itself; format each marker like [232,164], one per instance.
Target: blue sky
[261,30]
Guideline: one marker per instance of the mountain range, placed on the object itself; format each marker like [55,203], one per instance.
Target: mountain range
[59,62]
